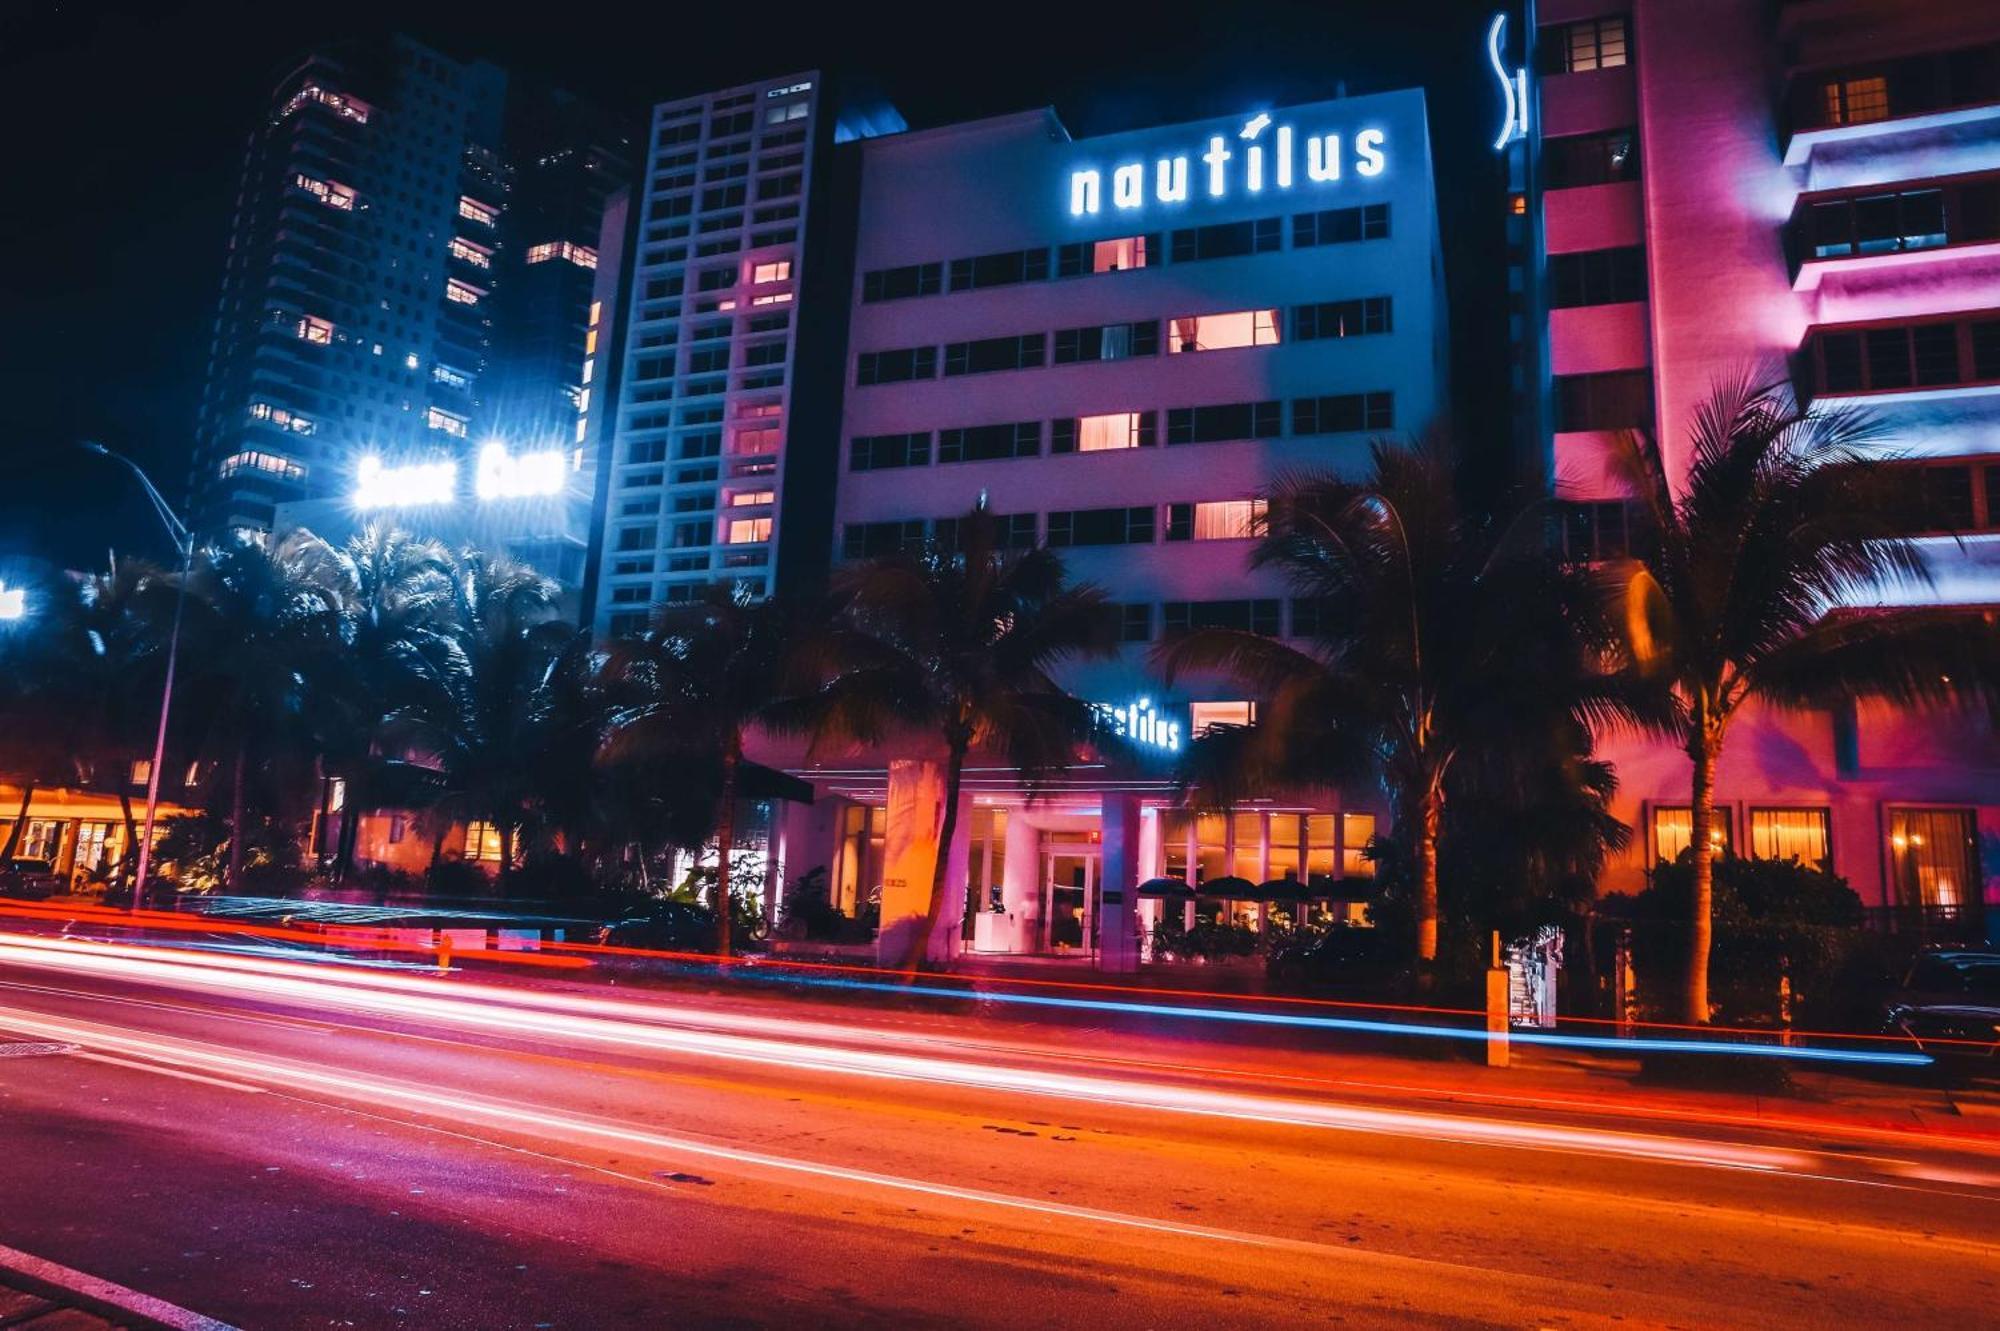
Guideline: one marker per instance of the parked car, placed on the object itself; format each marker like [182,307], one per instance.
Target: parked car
[669,926]
[1948,1005]
[30,880]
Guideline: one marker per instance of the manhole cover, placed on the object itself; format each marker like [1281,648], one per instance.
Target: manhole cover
[34,1050]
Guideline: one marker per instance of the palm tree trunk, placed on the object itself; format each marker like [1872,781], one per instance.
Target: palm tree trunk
[954,777]
[1430,815]
[1701,817]
[506,854]
[235,878]
[15,833]
[725,842]
[131,827]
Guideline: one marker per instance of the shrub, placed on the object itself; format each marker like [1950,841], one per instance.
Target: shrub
[1208,940]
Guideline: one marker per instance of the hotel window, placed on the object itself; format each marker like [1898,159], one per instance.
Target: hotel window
[327,192]
[1310,614]
[1357,831]
[1934,858]
[472,210]
[1107,342]
[476,255]
[1246,859]
[1340,413]
[1614,400]
[1106,256]
[1593,531]
[778,270]
[1176,829]
[749,531]
[1135,622]
[1102,526]
[1341,318]
[917,279]
[1592,43]
[1223,422]
[1260,616]
[996,270]
[461,293]
[1322,845]
[889,367]
[1892,223]
[1211,846]
[762,439]
[1340,226]
[990,443]
[580,255]
[1024,351]
[1227,240]
[1097,434]
[872,540]
[452,378]
[1792,834]
[269,463]
[1921,355]
[1013,531]
[1221,332]
[699,444]
[1673,831]
[316,331]
[482,841]
[715,279]
[1597,277]
[1215,520]
[41,839]
[751,498]
[1854,101]
[644,451]
[779,115]
[777,187]
[1206,716]
[437,418]
[708,360]
[1572,160]
[986,864]
[880,452]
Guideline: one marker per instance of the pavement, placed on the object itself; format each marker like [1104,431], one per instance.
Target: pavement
[278,1144]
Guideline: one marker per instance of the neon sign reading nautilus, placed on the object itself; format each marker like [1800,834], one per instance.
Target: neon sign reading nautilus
[1279,162]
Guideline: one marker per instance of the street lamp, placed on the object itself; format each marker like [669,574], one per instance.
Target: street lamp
[183,540]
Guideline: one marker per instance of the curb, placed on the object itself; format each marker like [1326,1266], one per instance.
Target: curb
[77,1289]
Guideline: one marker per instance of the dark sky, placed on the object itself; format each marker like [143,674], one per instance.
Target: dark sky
[124,126]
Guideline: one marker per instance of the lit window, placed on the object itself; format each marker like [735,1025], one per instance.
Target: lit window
[751,498]
[1594,44]
[316,331]
[476,255]
[777,271]
[1934,856]
[774,298]
[282,418]
[1116,256]
[763,439]
[583,399]
[580,255]
[1673,831]
[268,463]
[1120,429]
[596,312]
[1357,830]
[748,531]
[582,425]
[474,211]
[587,368]
[449,377]
[758,410]
[1856,101]
[461,293]
[1227,519]
[437,418]
[482,841]
[1202,716]
[590,342]
[347,107]
[1790,834]
[142,771]
[779,115]
[1215,332]
[327,192]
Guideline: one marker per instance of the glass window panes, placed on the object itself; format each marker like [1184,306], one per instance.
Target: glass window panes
[1356,831]
[1248,859]
[1211,834]
[1933,855]
[1284,859]
[1671,831]
[1790,834]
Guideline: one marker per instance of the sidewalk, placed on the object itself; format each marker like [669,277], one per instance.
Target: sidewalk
[39,1295]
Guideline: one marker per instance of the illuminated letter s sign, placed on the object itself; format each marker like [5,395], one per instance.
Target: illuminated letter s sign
[1513,87]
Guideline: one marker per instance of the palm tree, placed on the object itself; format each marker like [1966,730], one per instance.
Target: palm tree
[264,629]
[1439,630]
[702,676]
[960,640]
[1781,520]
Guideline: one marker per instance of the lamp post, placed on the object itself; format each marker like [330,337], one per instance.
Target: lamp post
[183,540]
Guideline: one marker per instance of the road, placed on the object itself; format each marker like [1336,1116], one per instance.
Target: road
[286,1145]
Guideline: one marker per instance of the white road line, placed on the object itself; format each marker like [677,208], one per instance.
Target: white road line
[159,1071]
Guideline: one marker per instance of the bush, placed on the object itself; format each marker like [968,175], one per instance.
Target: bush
[551,876]
[1340,958]
[1208,940]
[457,878]
[1768,915]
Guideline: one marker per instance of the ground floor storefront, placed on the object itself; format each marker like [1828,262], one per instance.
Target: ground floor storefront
[81,834]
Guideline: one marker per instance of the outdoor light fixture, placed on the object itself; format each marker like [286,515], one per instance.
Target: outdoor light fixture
[13,603]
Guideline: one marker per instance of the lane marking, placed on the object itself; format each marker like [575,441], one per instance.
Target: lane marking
[159,1071]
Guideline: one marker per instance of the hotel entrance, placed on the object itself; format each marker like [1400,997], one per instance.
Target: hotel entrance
[1069,898]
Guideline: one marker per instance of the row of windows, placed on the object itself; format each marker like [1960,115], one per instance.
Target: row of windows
[1137,524]
[1334,413]
[1894,221]
[1612,400]
[1588,44]
[1123,253]
[1597,277]
[1606,158]
[1220,331]
[1884,90]
[1935,353]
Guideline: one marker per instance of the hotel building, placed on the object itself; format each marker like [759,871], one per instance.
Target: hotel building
[1116,344]
[1813,187]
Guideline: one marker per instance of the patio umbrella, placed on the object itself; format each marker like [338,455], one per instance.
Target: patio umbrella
[1283,889]
[1166,888]
[1230,887]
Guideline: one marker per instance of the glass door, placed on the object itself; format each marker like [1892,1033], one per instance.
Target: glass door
[1069,923]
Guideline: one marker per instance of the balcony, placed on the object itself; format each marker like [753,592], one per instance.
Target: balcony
[1948,96]
[1918,224]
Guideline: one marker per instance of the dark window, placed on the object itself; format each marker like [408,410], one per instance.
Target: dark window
[1012,531]
[917,279]
[1226,240]
[1341,318]
[1102,526]
[1597,277]
[706,360]
[888,367]
[1107,342]
[1570,160]
[653,367]
[715,279]
[1577,48]
[1339,226]
[722,196]
[1023,352]
[1341,412]
[1947,497]
[1986,349]
[1256,616]
[872,540]
[703,444]
[1135,623]
[1224,421]
[1593,531]
[1310,616]
[646,450]
[658,288]
[990,443]
[877,452]
[1615,400]
[998,270]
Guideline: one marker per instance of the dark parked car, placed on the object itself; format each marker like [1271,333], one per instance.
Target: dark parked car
[1949,1006]
[30,880]
[670,926]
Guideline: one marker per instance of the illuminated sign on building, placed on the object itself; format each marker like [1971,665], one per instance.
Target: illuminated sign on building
[1142,724]
[414,485]
[502,475]
[1513,87]
[13,602]
[1257,163]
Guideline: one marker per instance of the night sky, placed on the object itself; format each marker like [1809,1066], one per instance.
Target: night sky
[125,126]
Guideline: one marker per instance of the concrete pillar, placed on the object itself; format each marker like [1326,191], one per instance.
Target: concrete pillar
[1117,885]
[909,853]
[948,939]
